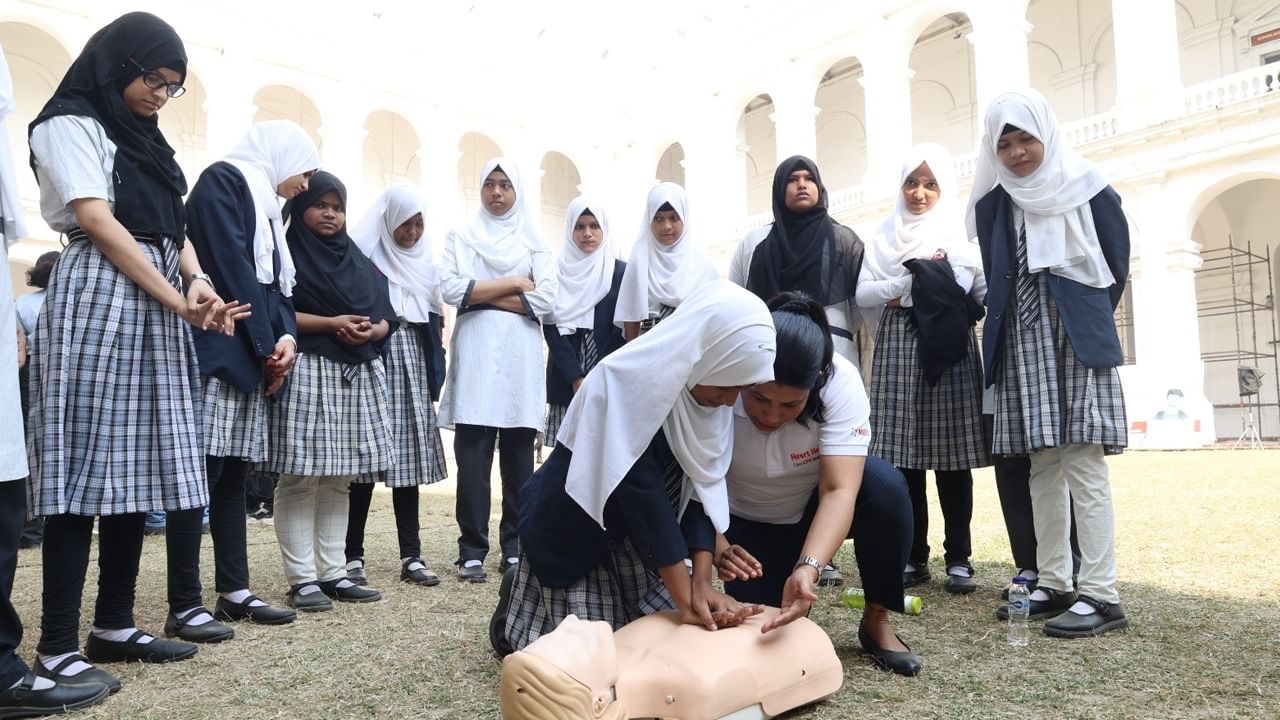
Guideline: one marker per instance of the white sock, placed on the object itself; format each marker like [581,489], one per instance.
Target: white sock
[513,560]
[343,584]
[200,618]
[471,563]
[1029,575]
[1083,608]
[51,661]
[41,683]
[959,571]
[415,565]
[308,589]
[1039,595]
[356,564]
[121,635]
[239,596]
[909,568]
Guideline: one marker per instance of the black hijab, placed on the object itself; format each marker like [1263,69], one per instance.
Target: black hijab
[334,277]
[806,251]
[149,185]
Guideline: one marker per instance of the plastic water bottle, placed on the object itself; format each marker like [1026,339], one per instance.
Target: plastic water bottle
[854,598]
[1019,613]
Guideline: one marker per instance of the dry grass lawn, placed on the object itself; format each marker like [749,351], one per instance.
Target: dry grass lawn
[1198,543]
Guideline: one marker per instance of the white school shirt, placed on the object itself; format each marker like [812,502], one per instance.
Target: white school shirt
[13,444]
[843,315]
[74,159]
[773,474]
[29,310]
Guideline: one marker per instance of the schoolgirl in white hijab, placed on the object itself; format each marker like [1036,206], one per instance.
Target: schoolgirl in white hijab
[270,153]
[412,274]
[1055,198]
[661,276]
[502,278]
[584,277]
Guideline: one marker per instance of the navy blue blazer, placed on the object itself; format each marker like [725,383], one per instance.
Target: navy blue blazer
[565,351]
[561,541]
[1088,314]
[221,221]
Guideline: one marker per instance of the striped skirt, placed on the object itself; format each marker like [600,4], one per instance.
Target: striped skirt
[323,425]
[917,426]
[114,424]
[235,423]
[419,452]
[1045,397]
[555,417]
[618,591]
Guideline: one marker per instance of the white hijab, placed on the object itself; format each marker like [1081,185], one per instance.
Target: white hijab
[661,275]
[905,236]
[270,153]
[14,226]
[585,278]
[413,278]
[1061,237]
[494,245]
[720,335]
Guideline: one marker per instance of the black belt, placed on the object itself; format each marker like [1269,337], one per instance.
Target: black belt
[77,234]
[841,333]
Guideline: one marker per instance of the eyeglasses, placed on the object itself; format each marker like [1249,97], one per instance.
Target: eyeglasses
[156,81]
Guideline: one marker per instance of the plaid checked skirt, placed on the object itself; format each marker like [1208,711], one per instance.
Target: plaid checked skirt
[323,425]
[618,591]
[917,426]
[419,452]
[235,423]
[555,416]
[115,393]
[1045,397]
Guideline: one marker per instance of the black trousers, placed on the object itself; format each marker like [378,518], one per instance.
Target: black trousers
[1013,483]
[404,501]
[955,494]
[473,448]
[881,534]
[226,526]
[13,512]
[66,561]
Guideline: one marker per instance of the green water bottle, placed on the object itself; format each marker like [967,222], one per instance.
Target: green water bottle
[853,597]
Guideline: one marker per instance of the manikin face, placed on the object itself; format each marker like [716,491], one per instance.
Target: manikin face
[409,232]
[667,227]
[497,193]
[1020,152]
[769,405]
[326,216]
[144,100]
[292,186]
[714,395]
[920,190]
[802,191]
[587,233]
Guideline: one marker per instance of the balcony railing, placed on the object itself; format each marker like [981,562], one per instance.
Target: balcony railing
[1232,89]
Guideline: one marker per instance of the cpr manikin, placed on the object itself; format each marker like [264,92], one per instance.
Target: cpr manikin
[657,667]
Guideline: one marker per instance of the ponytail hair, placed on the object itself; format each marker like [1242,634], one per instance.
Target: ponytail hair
[805,349]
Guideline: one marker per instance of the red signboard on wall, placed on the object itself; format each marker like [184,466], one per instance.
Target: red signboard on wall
[1264,37]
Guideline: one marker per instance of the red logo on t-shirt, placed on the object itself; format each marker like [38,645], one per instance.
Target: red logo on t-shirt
[804,458]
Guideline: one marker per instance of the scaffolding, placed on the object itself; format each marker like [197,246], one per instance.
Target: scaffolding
[1244,267]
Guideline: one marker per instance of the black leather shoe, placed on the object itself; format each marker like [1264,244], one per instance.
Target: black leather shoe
[915,577]
[830,576]
[904,663]
[310,602]
[1031,587]
[417,576]
[959,584]
[23,700]
[258,614]
[210,632]
[1041,609]
[475,573]
[355,571]
[351,593]
[158,650]
[1108,617]
[498,621]
[92,675]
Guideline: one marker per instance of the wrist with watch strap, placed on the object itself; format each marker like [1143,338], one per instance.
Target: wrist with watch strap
[810,561]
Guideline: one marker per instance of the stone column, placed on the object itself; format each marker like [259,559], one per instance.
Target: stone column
[1000,54]
[886,81]
[1148,79]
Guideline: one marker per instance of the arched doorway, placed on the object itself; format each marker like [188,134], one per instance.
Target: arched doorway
[841,125]
[757,132]
[560,181]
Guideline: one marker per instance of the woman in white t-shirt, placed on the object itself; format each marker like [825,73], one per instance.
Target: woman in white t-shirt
[801,482]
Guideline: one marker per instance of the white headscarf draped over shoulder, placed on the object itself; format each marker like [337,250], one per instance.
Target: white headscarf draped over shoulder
[413,278]
[585,278]
[270,153]
[721,335]
[657,274]
[905,236]
[10,203]
[492,246]
[1061,237]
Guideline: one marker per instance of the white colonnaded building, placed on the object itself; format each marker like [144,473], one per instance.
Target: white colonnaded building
[1177,100]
